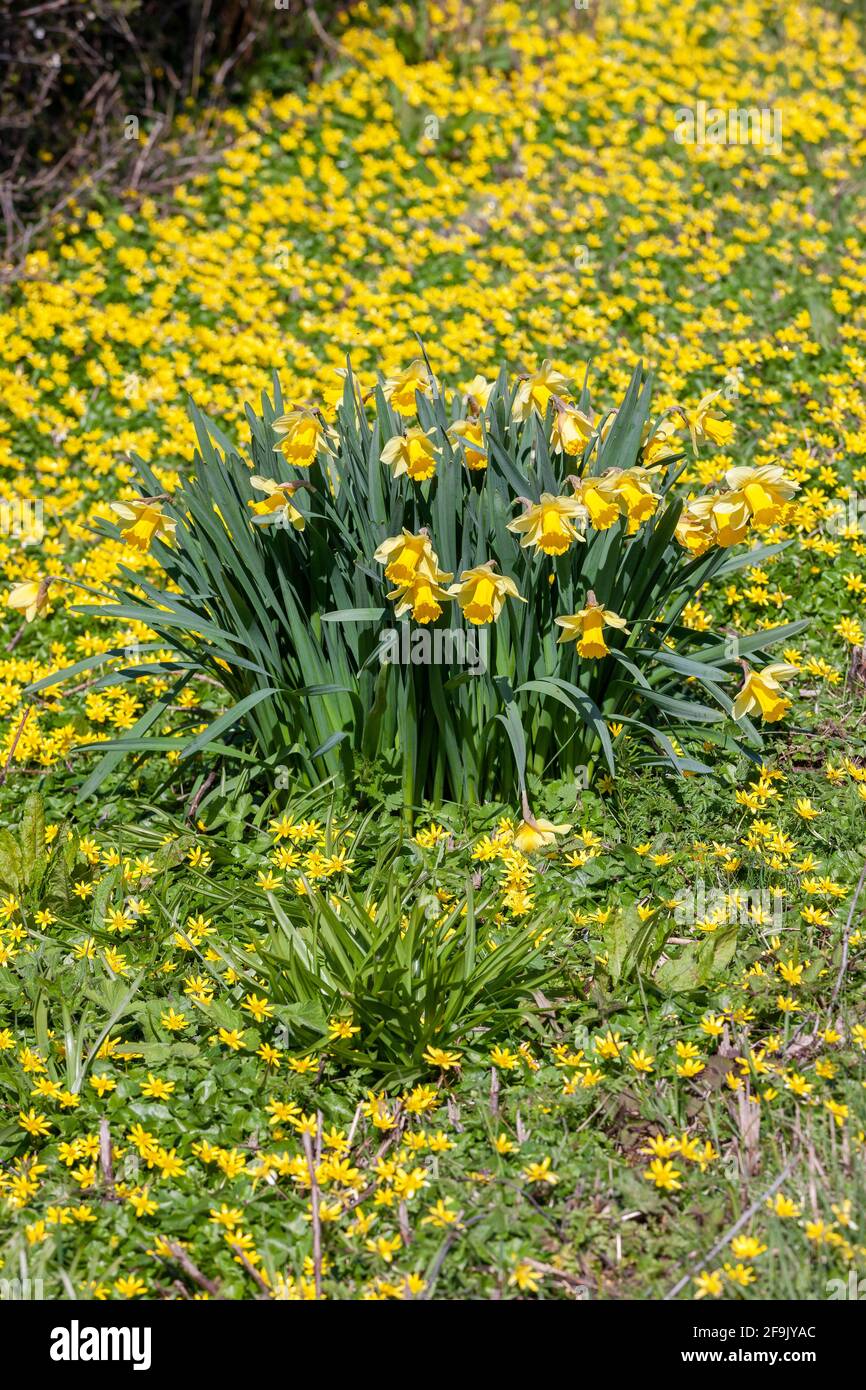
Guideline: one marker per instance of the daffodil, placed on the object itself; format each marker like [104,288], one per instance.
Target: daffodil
[632,489]
[571,431]
[399,391]
[534,834]
[302,433]
[694,531]
[468,433]
[534,392]
[412,454]
[598,496]
[30,599]
[587,628]
[552,524]
[478,391]
[761,693]
[764,490]
[145,522]
[705,423]
[277,508]
[407,556]
[481,593]
[725,515]
[423,598]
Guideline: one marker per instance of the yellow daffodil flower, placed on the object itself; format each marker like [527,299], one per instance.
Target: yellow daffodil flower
[146,522]
[412,454]
[588,626]
[549,525]
[481,593]
[761,693]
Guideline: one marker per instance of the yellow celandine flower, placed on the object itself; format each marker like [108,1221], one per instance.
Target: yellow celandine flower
[302,433]
[277,508]
[747,1248]
[468,433]
[412,454]
[399,391]
[549,525]
[481,593]
[535,392]
[710,1284]
[525,1277]
[145,522]
[761,693]
[31,599]
[438,1057]
[588,626]
[534,834]
[664,1175]
[765,491]
[540,1172]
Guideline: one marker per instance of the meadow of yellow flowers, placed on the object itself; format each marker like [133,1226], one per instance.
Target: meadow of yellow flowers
[262,1039]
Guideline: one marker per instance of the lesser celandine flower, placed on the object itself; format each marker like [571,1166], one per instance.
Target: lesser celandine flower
[412,454]
[277,508]
[30,599]
[481,593]
[549,525]
[399,391]
[145,522]
[588,626]
[302,433]
[761,693]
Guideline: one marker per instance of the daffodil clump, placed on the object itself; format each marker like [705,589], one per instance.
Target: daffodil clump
[379,524]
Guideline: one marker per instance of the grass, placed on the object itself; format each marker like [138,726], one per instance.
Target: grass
[169,1075]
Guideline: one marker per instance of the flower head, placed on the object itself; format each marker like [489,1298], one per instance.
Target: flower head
[481,593]
[302,433]
[587,627]
[145,522]
[412,454]
[551,525]
[30,599]
[761,693]
[277,507]
[399,391]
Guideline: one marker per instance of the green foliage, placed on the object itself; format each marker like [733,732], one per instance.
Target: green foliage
[406,973]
